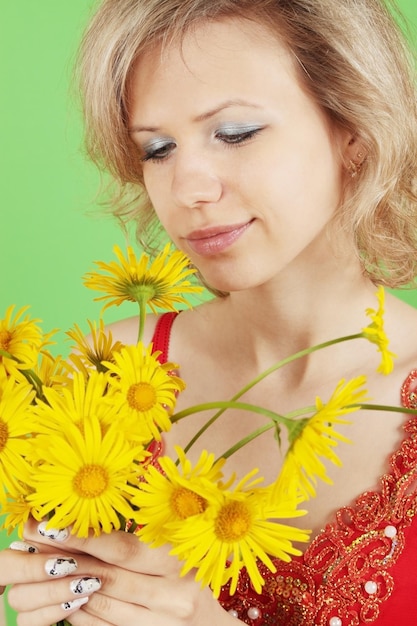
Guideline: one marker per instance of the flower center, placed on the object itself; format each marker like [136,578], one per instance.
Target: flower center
[4,434]
[233,522]
[140,292]
[186,503]
[5,338]
[91,481]
[141,396]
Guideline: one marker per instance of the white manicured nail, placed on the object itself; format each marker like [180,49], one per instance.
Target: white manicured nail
[74,604]
[60,566]
[85,585]
[23,546]
[53,533]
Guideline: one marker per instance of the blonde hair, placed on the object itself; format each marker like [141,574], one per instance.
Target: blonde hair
[354,62]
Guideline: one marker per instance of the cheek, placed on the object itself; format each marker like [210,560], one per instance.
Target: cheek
[158,193]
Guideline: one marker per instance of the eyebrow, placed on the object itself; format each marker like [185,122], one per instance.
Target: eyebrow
[203,116]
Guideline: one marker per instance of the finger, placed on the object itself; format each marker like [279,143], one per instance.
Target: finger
[51,614]
[118,548]
[179,603]
[104,611]
[21,567]
[32,548]
[23,597]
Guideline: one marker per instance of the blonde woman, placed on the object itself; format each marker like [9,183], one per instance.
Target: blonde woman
[275,141]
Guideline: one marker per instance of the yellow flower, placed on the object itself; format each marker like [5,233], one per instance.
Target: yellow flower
[160,284]
[85,479]
[16,509]
[237,529]
[21,338]
[82,401]
[174,494]
[92,352]
[145,388]
[315,437]
[15,425]
[376,334]
[53,371]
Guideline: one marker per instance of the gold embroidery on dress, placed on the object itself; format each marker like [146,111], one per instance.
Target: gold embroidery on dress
[344,576]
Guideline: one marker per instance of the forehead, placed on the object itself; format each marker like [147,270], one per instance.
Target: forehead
[223,59]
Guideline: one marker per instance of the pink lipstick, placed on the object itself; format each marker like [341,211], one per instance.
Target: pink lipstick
[216,239]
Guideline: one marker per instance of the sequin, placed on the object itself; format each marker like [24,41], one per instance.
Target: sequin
[344,577]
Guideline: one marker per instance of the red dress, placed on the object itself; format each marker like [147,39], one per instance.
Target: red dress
[361,568]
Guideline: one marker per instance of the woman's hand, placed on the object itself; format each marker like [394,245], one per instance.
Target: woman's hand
[113,580]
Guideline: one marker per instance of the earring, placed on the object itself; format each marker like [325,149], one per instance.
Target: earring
[355,167]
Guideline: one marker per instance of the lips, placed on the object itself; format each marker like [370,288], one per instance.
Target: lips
[216,239]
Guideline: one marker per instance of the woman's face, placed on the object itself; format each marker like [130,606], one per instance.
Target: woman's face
[242,167]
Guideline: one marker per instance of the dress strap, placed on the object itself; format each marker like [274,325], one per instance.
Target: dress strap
[162,335]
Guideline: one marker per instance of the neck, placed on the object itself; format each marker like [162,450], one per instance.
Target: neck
[273,321]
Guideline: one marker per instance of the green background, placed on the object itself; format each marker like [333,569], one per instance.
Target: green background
[51,226]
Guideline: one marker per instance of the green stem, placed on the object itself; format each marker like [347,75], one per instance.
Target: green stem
[264,374]
[246,440]
[228,404]
[29,374]
[294,357]
[385,407]
[34,380]
[259,431]
[142,318]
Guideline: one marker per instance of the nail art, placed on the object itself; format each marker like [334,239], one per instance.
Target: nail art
[60,566]
[74,604]
[85,585]
[23,546]
[52,533]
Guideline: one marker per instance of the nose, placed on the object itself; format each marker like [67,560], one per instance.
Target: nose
[195,182]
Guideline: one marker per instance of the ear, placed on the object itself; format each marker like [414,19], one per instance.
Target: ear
[354,155]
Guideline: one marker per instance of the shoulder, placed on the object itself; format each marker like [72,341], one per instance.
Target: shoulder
[401,329]
[126,330]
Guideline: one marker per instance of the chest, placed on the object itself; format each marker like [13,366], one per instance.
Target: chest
[374,435]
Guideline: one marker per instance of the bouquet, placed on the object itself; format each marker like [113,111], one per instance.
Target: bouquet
[78,436]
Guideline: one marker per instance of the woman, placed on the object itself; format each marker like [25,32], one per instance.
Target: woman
[276,142]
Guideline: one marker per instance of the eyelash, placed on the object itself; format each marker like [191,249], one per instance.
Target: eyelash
[238,138]
[233,140]
[158,154]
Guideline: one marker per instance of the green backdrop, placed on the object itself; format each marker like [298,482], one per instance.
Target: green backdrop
[51,229]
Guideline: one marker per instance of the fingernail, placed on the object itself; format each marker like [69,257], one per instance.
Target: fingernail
[60,566]
[74,604]
[52,533]
[23,546]
[85,585]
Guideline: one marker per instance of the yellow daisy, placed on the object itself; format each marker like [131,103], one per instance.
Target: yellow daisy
[315,437]
[84,400]
[376,334]
[20,340]
[86,478]
[53,371]
[174,494]
[145,388]
[160,284]
[92,352]
[16,509]
[4,378]
[15,424]
[237,529]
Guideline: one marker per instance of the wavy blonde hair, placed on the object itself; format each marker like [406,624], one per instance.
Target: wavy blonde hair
[353,60]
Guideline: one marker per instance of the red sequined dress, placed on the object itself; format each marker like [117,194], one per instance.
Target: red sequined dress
[361,568]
